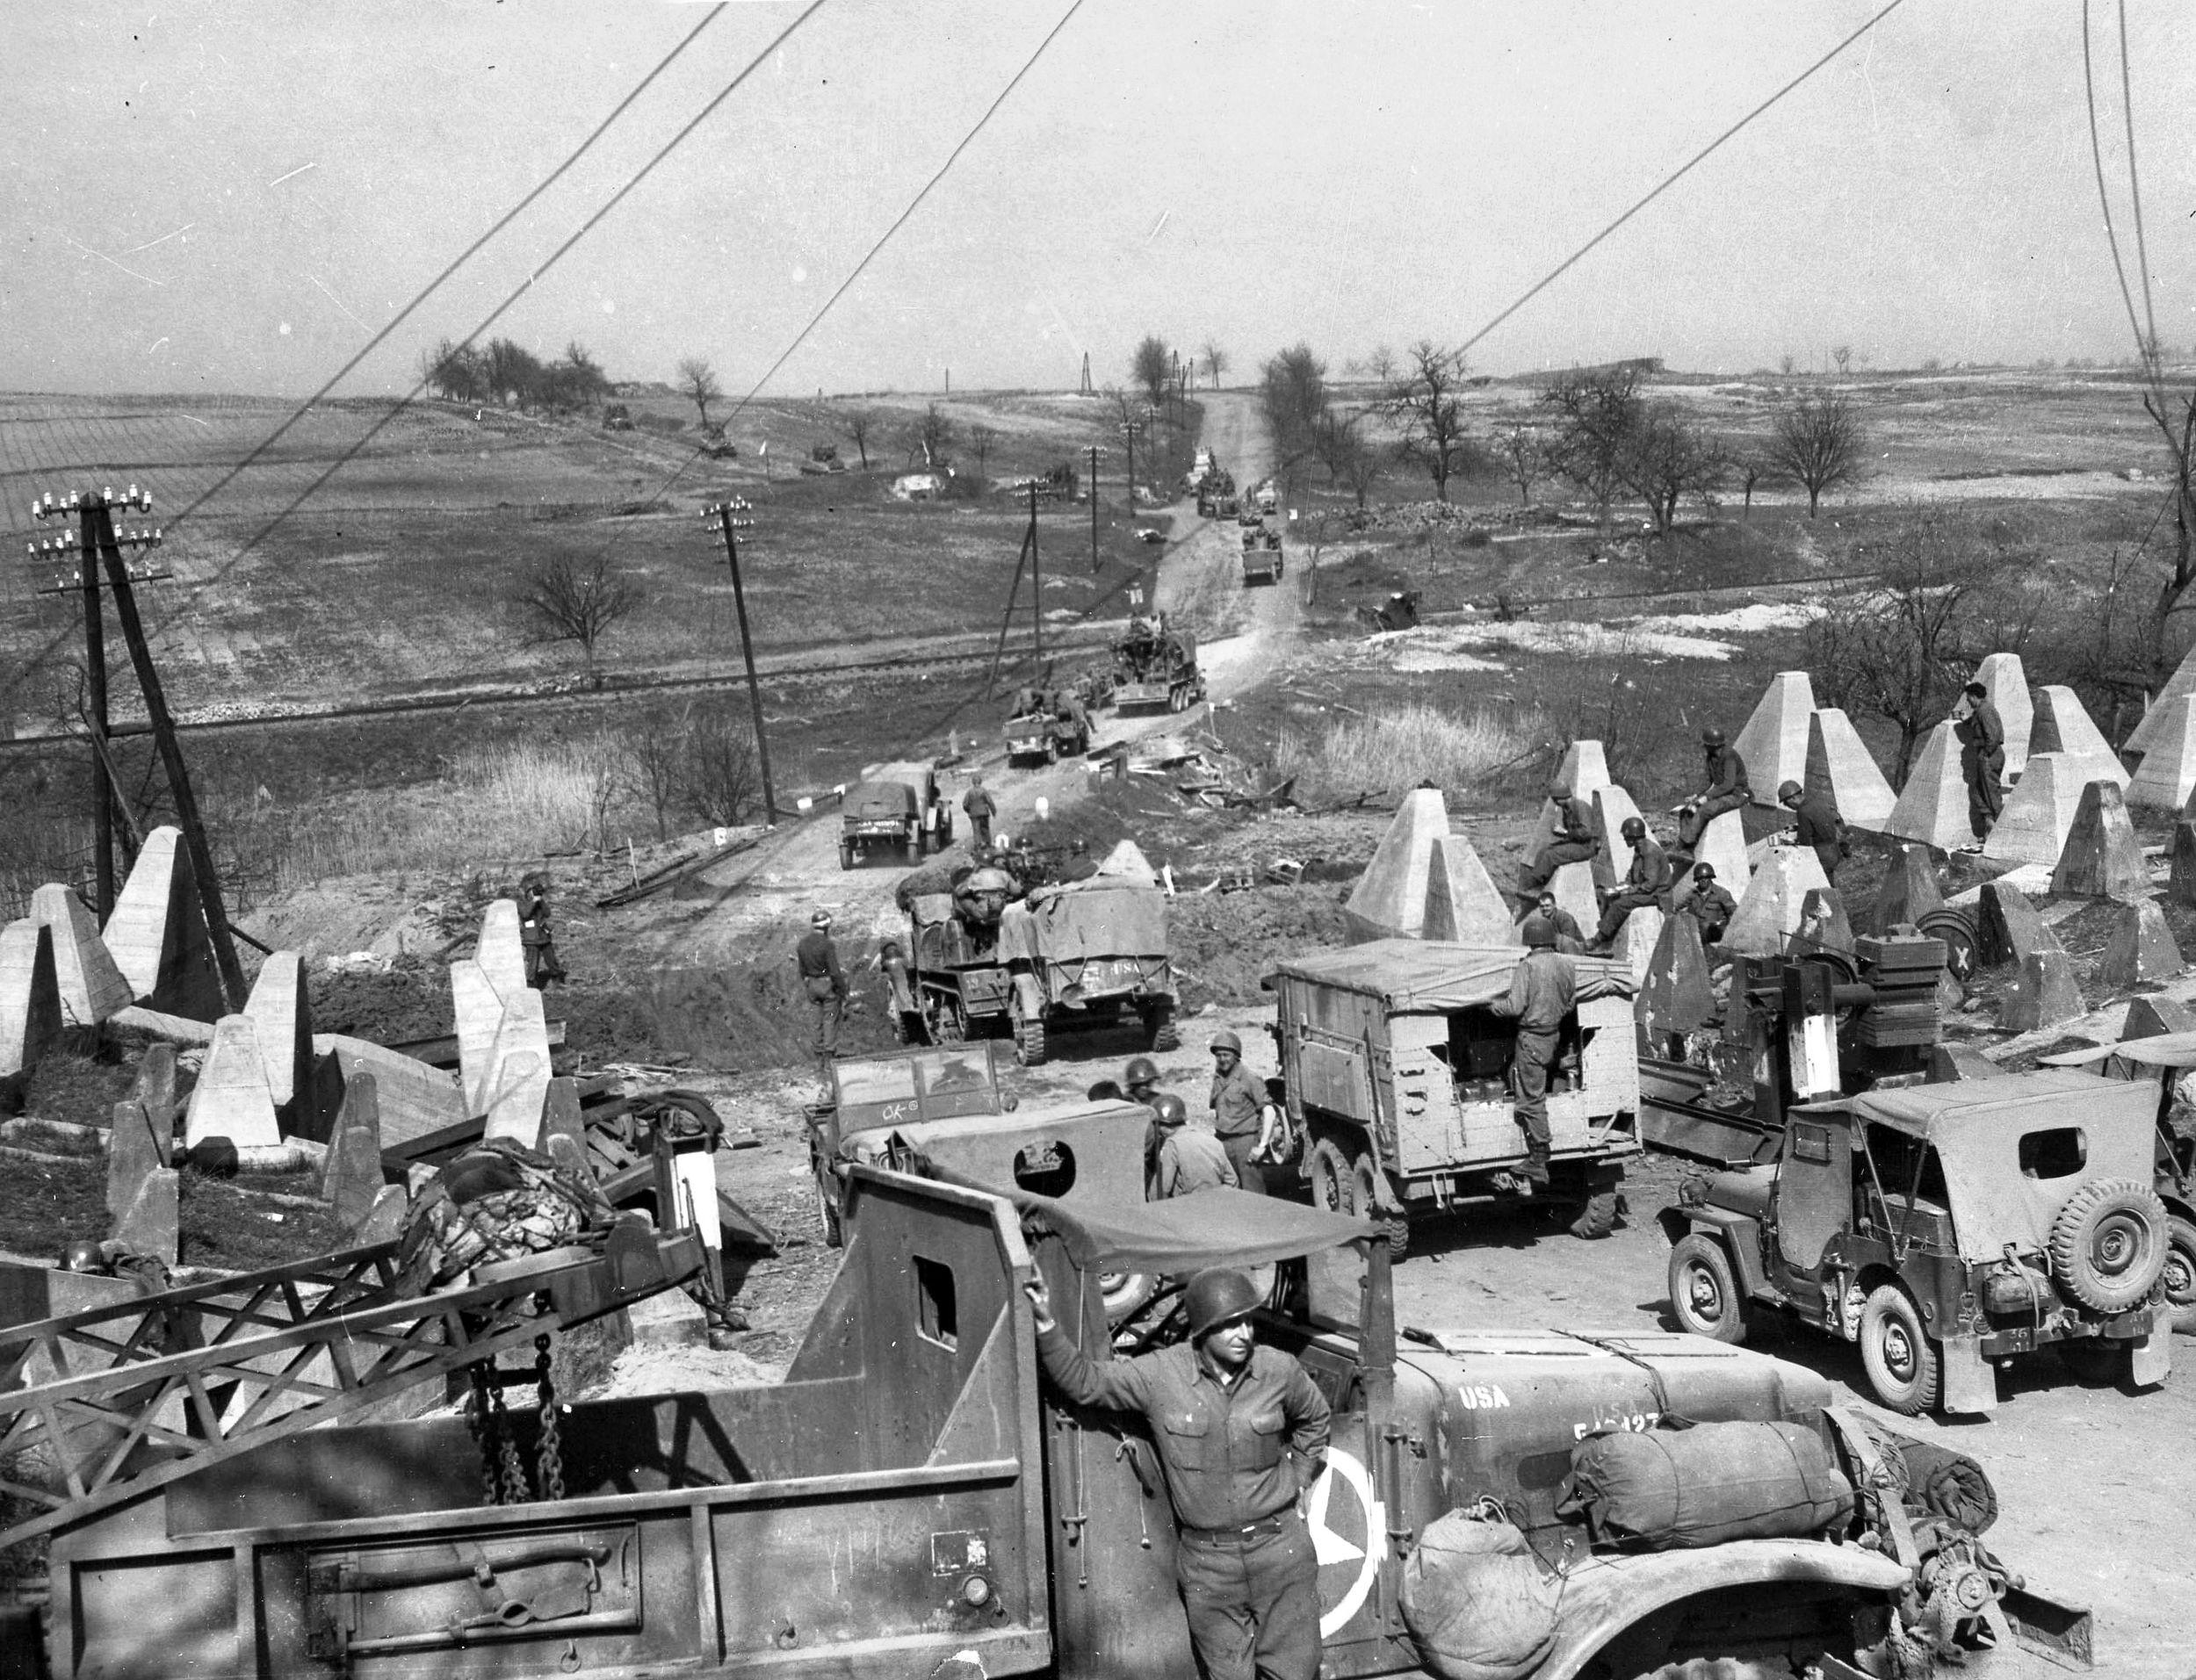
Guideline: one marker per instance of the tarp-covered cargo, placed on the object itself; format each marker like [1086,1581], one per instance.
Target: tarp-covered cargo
[1104,916]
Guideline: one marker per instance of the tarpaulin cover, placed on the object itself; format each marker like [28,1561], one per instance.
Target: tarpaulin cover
[2162,1050]
[1659,1489]
[1104,916]
[1420,975]
[888,799]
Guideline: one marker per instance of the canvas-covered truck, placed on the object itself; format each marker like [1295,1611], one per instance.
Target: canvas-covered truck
[914,1501]
[1158,667]
[1051,726]
[1261,557]
[1397,1075]
[896,809]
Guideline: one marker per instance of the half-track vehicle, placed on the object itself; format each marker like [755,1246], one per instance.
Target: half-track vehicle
[895,808]
[1261,557]
[1157,668]
[1397,1076]
[915,1500]
[1049,724]
[1945,1229]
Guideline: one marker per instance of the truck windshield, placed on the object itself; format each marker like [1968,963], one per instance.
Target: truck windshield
[862,1084]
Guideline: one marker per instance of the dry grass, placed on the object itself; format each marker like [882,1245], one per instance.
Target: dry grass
[1399,749]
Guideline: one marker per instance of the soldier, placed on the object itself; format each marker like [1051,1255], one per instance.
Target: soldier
[1726,791]
[977,802]
[1242,1433]
[1243,1115]
[1646,882]
[1568,938]
[542,967]
[1139,1083]
[1709,906]
[1573,842]
[1820,826]
[1981,733]
[825,982]
[1190,1158]
[1543,990]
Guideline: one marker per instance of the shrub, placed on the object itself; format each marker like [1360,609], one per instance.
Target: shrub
[1399,750]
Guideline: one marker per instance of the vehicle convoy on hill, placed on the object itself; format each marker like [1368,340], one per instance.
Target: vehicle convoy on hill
[962,1519]
[1397,1078]
[1048,724]
[895,808]
[1945,1229]
[1158,667]
[988,960]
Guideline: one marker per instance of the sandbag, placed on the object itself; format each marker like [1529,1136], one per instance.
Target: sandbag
[1665,1489]
[1476,1602]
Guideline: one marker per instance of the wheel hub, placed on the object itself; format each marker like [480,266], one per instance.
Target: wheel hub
[1707,1300]
[1898,1353]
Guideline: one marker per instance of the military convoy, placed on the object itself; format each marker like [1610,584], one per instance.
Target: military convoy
[962,1519]
[1157,668]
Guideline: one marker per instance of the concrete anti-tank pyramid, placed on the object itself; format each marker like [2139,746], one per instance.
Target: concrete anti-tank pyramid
[2101,858]
[1573,887]
[2167,774]
[1583,772]
[280,1011]
[1677,995]
[1723,845]
[1775,900]
[2002,676]
[1910,890]
[230,1100]
[1461,904]
[157,932]
[2064,727]
[92,987]
[502,952]
[30,996]
[1838,763]
[1932,806]
[1389,900]
[1638,940]
[1613,807]
[2182,682]
[2039,812]
[1773,743]
[2140,949]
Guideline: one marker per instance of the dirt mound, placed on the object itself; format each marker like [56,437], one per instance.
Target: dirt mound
[1225,943]
[753,1015]
[410,1002]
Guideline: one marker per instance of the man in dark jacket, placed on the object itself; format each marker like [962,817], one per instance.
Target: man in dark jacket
[1573,842]
[1543,991]
[1726,791]
[825,982]
[1820,826]
[979,804]
[1981,733]
[1241,1433]
[1646,882]
[1709,906]
[1570,939]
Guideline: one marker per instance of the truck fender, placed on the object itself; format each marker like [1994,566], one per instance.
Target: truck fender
[1604,1595]
[1741,1235]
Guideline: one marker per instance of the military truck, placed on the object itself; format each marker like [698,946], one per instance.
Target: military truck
[1947,1229]
[1397,1080]
[896,808]
[913,1500]
[1157,668]
[1261,557]
[1051,726]
[872,1098]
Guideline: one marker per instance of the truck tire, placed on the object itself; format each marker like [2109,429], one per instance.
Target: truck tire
[911,850]
[1704,1294]
[1897,1352]
[1597,1217]
[1028,1037]
[827,1210]
[2108,1244]
[1126,1292]
[846,854]
[1333,1186]
[1364,1182]
[2179,1276]
[1159,1030]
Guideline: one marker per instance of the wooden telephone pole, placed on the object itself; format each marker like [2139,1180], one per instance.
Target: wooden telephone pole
[724,517]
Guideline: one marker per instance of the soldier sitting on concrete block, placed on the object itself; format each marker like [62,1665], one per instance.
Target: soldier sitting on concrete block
[1574,841]
[1726,790]
[1710,906]
[1646,883]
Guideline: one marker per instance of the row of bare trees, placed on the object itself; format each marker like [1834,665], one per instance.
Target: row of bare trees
[503,372]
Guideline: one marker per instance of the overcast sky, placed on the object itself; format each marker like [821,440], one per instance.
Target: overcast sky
[216,195]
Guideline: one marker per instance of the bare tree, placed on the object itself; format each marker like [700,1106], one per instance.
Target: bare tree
[569,602]
[1667,457]
[1292,391]
[861,426]
[455,370]
[1381,364]
[1422,400]
[720,779]
[1817,438]
[1151,369]
[1595,415]
[1523,452]
[659,750]
[2175,417]
[697,384]
[932,435]
[1216,361]
[1347,455]
[1749,467]
[1842,354]
[1787,365]
[980,438]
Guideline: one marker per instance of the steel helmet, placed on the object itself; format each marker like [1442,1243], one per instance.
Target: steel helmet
[1540,933]
[1167,1110]
[821,918]
[1712,738]
[1704,872]
[1141,1070]
[989,879]
[1226,1040]
[1635,828]
[1216,1296]
[83,1256]
[1557,790]
[1789,790]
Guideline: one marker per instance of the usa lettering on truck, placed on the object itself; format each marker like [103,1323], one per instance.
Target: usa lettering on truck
[1482,1396]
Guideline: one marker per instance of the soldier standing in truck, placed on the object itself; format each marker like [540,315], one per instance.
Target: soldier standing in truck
[1543,991]
[1242,1433]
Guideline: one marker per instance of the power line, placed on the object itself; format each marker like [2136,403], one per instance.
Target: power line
[1678,175]
[2153,349]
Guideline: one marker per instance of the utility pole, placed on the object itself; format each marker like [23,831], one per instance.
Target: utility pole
[724,516]
[1129,428]
[1094,452]
[97,543]
[1037,585]
[1087,390]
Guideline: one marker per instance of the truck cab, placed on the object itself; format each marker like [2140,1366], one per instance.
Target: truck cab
[895,808]
[1947,1229]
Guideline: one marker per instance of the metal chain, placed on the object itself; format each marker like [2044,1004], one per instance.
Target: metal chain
[514,1489]
[480,1419]
[551,1465]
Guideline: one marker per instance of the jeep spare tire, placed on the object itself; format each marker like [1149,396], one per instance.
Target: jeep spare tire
[2108,1244]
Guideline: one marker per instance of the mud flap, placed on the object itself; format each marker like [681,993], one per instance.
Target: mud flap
[2058,1632]
[1970,1384]
[2151,1361]
[1027,995]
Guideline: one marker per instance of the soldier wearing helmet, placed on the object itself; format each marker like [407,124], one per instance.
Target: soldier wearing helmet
[1820,827]
[1190,1158]
[1726,791]
[542,967]
[1646,882]
[1244,1117]
[981,808]
[1709,906]
[1543,991]
[1572,842]
[824,982]
[1139,1081]
[1242,1434]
